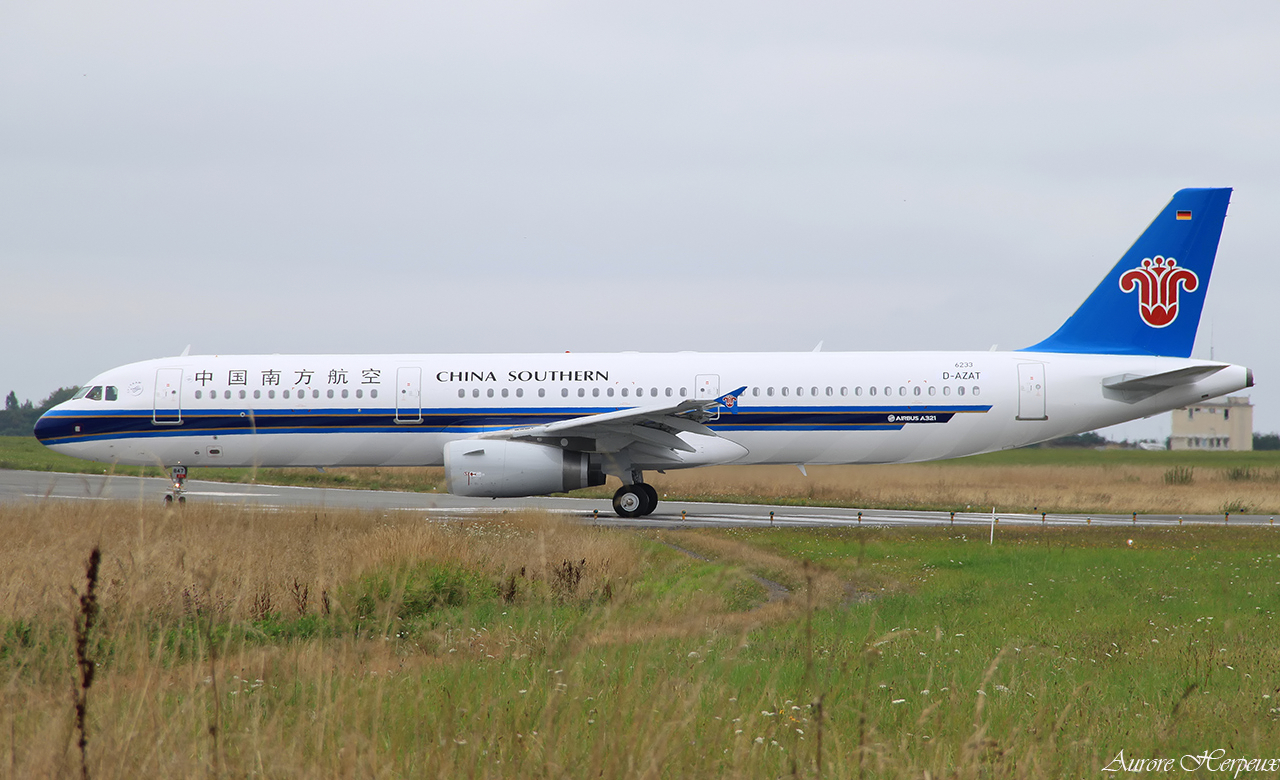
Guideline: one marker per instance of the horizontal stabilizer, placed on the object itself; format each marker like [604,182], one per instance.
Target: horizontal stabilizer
[1135,387]
[1158,382]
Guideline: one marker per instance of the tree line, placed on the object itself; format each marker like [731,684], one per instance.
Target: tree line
[19,419]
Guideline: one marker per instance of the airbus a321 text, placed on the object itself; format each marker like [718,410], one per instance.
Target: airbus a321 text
[522,424]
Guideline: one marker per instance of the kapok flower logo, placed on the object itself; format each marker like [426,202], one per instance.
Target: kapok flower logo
[1157,281]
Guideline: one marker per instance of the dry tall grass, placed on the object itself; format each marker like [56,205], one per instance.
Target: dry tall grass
[183,597]
[1101,489]
[1029,488]
[168,563]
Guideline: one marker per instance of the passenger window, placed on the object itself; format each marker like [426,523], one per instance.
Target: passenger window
[933,389]
[475,393]
[504,392]
[542,392]
[814,391]
[595,392]
[373,392]
[285,394]
[946,390]
[888,391]
[624,392]
[786,390]
[975,389]
[344,392]
[112,393]
[227,394]
[96,393]
[902,391]
[916,389]
[489,392]
[653,391]
[519,392]
[198,394]
[872,390]
[960,390]
[639,392]
[272,393]
[564,392]
[609,392]
[755,391]
[669,392]
[831,392]
[799,391]
[359,393]
[857,390]
[682,392]
[242,394]
[769,392]
[258,393]
[314,394]
[582,392]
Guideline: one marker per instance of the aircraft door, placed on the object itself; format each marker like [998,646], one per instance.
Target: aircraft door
[706,386]
[168,397]
[1031,389]
[408,395]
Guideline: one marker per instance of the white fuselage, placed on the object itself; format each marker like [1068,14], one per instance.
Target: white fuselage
[805,408]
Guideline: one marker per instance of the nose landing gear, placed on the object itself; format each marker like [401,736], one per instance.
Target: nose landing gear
[177,478]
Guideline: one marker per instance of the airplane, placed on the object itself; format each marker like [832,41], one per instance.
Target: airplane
[510,425]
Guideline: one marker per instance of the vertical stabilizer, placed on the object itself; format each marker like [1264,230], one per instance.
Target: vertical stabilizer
[1151,301]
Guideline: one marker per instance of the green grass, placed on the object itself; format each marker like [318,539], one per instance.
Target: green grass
[1036,456]
[1042,655]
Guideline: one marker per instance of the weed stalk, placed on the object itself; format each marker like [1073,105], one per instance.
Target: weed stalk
[84,628]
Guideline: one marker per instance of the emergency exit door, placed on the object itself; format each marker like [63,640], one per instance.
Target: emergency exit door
[1031,388]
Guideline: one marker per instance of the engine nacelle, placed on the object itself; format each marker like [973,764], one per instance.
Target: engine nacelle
[494,468]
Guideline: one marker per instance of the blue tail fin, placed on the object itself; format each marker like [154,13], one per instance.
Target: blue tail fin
[1151,301]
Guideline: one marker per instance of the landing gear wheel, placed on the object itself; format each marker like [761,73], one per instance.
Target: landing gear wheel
[632,501]
[168,500]
[653,497]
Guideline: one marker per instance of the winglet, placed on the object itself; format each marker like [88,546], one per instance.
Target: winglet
[730,400]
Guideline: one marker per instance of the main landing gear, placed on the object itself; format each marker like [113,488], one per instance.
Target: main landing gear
[177,478]
[635,500]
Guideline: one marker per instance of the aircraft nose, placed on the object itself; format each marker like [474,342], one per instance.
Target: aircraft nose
[44,428]
[50,426]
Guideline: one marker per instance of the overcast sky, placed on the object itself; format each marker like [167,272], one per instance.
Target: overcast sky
[491,176]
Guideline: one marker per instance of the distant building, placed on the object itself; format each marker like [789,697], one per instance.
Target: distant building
[1225,426]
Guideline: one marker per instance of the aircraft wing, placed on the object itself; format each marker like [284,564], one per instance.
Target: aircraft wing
[653,429]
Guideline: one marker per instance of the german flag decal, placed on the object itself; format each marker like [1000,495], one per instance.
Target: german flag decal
[1184,215]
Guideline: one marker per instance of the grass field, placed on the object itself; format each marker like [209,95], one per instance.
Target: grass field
[1027,480]
[236,642]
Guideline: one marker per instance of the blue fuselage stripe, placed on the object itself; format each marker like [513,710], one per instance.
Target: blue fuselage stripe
[71,426]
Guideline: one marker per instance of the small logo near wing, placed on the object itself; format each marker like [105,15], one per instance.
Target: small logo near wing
[1157,281]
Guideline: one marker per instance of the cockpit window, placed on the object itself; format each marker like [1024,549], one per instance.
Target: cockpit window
[81,393]
[112,393]
[95,393]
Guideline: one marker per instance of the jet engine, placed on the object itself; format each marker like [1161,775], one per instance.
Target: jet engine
[494,468]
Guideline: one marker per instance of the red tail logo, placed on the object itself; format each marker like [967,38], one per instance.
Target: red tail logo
[1157,282]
